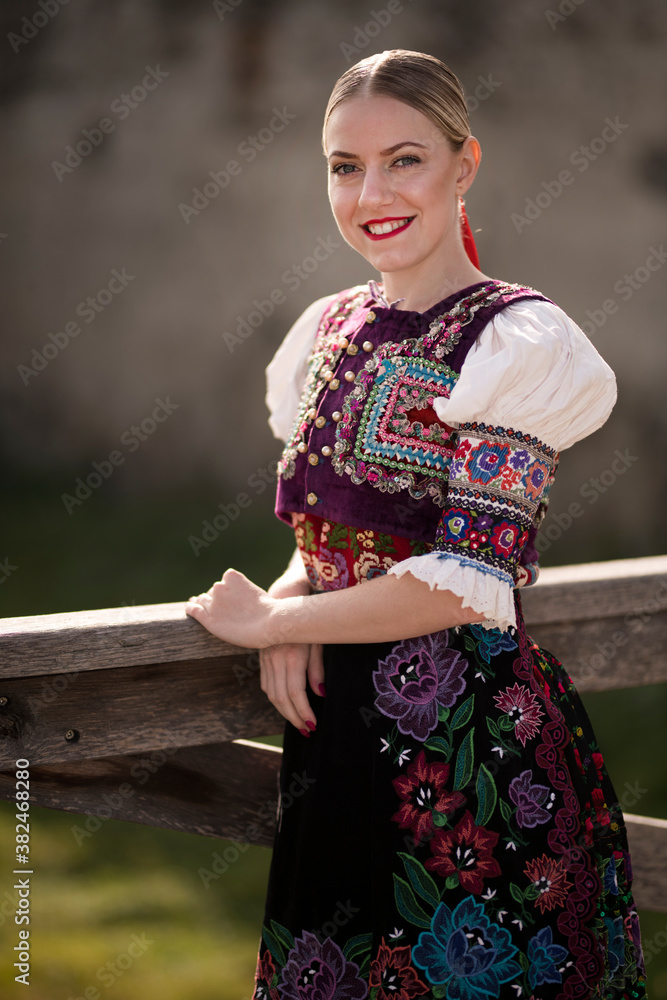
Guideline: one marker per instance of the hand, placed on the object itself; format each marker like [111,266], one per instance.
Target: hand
[236,610]
[283,671]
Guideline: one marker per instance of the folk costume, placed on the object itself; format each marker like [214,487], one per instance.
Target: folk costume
[449,829]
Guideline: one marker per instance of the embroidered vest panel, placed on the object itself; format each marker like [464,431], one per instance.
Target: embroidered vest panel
[366,447]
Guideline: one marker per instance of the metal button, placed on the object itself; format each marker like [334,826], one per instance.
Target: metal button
[353,349]
[349,376]
[326,450]
[334,384]
[313,459]
[321,421]
[336,416]
[367,346]
[370,316]
[312,498]
[302,446]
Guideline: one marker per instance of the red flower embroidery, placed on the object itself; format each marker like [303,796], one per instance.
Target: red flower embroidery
[423,790]
[264,975]
[523,709]
[394,976]
[550,879]
[466,851]
[600,806]
[503,537]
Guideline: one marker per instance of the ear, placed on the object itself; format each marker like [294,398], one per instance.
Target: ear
[470,157]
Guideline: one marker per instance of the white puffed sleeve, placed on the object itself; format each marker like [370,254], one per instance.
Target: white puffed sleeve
[286,372]
[531,385]
[532,368]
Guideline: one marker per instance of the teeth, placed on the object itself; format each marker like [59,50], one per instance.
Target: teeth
[386,227]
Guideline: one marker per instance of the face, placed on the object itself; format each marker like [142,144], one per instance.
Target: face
[394,182]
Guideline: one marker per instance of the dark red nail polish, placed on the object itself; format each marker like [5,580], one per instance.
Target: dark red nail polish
[311,725]
[304,732]
[323,691]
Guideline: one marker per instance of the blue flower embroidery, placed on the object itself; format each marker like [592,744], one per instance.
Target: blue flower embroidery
[610,877]
[485,462]
[491,641]
[543,955]
[463,949]
[616,943]
[455,525]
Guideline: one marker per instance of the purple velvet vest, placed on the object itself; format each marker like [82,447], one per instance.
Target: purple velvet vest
[366,447]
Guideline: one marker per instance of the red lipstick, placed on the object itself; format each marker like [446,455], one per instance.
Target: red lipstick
[378,222]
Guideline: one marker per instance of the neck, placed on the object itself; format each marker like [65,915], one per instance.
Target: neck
[421,287]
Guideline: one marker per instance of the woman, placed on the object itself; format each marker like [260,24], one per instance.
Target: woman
[457,835]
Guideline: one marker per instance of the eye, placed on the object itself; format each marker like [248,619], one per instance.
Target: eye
[340,168]
[406,161]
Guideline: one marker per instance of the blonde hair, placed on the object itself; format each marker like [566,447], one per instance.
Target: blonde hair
[417,79]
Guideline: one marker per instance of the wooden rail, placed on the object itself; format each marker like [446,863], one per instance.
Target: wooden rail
[140,714]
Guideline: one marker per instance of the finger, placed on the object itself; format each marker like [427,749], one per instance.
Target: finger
[296,689]
[284,702]
[316,669]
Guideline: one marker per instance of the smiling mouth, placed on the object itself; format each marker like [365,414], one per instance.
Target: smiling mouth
[381,230]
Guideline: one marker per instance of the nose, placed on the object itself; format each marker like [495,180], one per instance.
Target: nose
[376,191]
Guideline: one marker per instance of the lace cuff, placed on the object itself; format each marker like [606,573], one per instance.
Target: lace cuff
[485,589]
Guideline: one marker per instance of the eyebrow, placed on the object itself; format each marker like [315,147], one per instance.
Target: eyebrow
[383,152]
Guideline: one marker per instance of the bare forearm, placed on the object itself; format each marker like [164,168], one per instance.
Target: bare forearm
[381,610]
[293,582]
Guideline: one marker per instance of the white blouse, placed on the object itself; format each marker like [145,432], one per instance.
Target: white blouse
[531,369]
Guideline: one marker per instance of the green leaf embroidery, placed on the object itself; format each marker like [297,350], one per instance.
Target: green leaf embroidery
[407,905]
[493,728]
[282,935]
[462,715]
[443,714]
[442,746]
[440,819]
[506,810]
[505,723]
[452,882]
[358,944]
[486,795]
[469,643]
[274,946]
[464,761]
[516,893]
[420,879]
[439,990]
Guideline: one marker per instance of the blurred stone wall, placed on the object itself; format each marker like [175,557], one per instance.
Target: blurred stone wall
[120,283]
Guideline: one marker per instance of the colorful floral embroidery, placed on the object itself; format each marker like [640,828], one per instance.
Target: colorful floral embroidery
[544,957]
[522,708]
[425,794]
[466,952]
[417,677]
[319,971]
[394,976]
[530,800]
[498,488]
[466,853]
[549,882]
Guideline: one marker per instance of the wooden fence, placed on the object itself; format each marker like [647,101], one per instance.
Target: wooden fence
[140,714]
